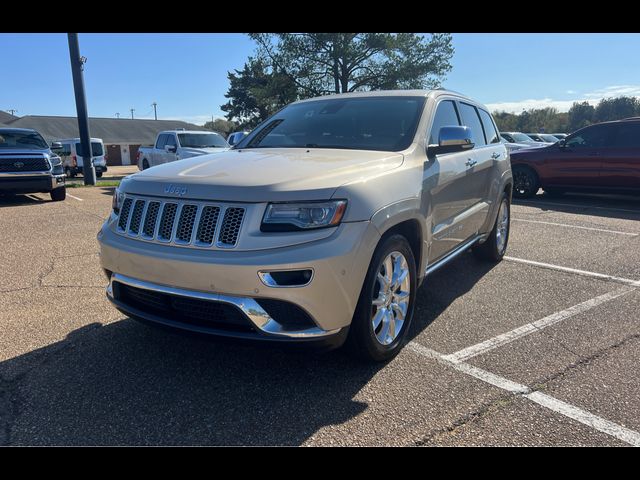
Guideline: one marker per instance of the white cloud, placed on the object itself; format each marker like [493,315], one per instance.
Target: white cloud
[564,105]
[571,92]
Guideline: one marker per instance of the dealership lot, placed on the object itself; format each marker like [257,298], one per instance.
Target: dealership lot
[541,349]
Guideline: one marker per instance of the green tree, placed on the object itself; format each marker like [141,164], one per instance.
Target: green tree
[616,108]
[325,63]
[580,115]
[225,127]
[255,92]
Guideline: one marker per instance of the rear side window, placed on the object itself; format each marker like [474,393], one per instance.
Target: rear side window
[162,139]
[627,135]
[489,128]
[472,120]
[66,150]
[590,137]
[446,116]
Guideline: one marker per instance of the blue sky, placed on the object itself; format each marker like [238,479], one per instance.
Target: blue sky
[186,74]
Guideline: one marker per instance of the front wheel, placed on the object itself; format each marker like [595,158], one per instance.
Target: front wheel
[58,194]
[384,312]
[495,246]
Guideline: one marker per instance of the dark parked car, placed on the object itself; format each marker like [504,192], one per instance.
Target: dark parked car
[601,157]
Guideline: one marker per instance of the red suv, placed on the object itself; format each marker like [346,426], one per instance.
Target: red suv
[601,157]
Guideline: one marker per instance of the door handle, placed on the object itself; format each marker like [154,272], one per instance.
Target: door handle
[471,163]
[495,155]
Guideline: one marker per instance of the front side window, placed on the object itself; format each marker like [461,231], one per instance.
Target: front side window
[359,123]
[489,128]
[472,120]
[171,141]
[446,116]
[590,137]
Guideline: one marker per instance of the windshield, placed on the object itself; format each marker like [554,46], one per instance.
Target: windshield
[521,137]
[202,140]
[17,139]
[96,149]
[364,123]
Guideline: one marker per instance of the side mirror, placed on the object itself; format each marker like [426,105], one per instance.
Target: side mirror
[452,139]
[170,148]
[56,146]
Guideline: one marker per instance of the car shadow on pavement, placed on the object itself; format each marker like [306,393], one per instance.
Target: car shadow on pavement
[126,383]
[444,286]
[19,200]
[624,207]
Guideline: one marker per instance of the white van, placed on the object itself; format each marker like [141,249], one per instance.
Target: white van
[72,158]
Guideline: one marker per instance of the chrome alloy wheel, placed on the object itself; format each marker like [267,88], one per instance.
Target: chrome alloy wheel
[502,227]
[391,295]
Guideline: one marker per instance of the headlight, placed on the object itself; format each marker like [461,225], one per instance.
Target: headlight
[56,165]
[287,217]
[116,202]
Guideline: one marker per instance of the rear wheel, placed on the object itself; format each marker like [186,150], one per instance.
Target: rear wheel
[525,182]
[495,246]
[58,194]
[98,174]
[385,307]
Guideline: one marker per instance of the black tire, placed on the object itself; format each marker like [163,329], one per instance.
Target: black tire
[69,173]
[490,250]
[58,194]
[145,164]
[525,182]
[99,174]
[361,341]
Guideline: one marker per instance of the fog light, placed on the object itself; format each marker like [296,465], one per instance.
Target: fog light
[287,278]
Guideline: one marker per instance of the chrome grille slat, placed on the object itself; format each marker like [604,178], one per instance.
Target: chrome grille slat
[185,223]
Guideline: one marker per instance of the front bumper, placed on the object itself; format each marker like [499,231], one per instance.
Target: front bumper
[30,182]
[339,263]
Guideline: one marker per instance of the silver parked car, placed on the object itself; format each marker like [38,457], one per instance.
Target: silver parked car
[318,227]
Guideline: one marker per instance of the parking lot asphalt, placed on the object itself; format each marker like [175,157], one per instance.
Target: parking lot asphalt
[541,349]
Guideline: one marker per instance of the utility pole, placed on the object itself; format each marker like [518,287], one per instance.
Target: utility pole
[155,114]
[117,115]
[88,172]
[12,111]
[132,110]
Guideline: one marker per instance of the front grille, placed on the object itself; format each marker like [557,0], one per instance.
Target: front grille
[204,313]
[184,223]
[27,164]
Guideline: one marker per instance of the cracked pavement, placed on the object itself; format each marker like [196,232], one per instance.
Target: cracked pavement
[74,371]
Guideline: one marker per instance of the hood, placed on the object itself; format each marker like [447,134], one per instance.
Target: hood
[261,175]
[201,151]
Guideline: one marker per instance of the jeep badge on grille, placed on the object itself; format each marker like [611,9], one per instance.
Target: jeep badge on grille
[175,190]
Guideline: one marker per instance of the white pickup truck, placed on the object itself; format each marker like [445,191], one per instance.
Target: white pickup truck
[174,145]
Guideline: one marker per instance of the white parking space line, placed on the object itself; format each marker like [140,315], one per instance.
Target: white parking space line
[73,196]
[541,204]
[538,325]
[586,418]
[576,226]
[584,273]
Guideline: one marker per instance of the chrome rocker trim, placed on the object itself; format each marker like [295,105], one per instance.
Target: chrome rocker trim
[248,306]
